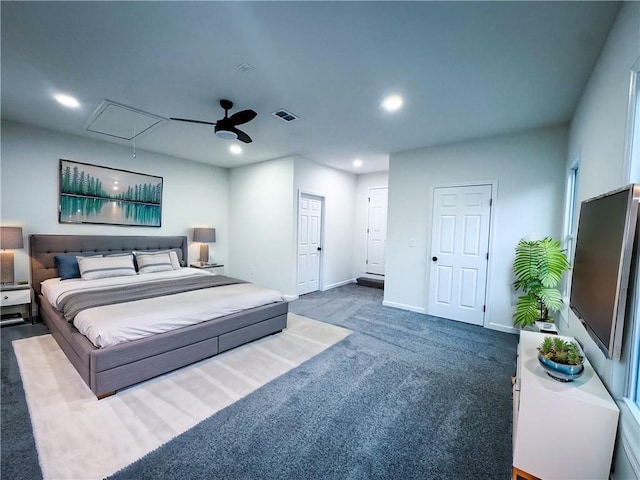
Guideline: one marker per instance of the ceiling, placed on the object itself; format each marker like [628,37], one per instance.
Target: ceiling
[465,70]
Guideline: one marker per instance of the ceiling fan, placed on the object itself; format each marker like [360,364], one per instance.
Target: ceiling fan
[226,127]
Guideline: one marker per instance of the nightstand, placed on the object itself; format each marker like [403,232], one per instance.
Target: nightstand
[15,296]
[216,268]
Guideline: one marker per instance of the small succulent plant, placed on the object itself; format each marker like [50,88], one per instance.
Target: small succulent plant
[560,351]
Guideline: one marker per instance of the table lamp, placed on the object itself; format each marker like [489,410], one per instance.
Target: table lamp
[204,236]
[10,239]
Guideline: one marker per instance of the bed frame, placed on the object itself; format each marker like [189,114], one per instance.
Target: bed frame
[106,370]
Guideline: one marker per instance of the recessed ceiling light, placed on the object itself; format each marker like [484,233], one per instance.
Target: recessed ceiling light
[392,103]
[235,149]
[66,100]
[357,162]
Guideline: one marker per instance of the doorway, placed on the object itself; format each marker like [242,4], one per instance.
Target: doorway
[460,252]
[376,230]
[310,223]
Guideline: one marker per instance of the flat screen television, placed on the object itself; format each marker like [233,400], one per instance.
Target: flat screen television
[603,263]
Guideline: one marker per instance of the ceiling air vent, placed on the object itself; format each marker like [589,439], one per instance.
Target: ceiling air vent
[121,121]
[244,67]
[285,115]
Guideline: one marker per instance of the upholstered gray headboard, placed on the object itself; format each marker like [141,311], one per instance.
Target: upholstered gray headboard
[42,249]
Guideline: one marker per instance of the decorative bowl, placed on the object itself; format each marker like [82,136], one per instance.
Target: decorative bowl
[560,371]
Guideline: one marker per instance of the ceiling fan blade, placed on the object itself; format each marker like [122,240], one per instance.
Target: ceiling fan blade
[241,117]
[192,121]
[243,137]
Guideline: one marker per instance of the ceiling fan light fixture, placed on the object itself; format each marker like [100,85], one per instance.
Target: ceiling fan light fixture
[226,134]
[226,127]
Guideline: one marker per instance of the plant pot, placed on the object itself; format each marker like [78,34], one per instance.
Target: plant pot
[560,371]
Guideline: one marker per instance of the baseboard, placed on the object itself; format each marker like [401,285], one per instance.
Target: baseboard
[291,298]
[402,306]
[503,328]
[628,441]
[339,284]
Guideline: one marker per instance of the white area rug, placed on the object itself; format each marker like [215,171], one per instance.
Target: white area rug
[80,437]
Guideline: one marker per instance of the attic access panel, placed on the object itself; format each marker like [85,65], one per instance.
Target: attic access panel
[121,121]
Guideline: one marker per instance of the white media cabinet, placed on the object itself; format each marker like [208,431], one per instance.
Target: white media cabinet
[561,430]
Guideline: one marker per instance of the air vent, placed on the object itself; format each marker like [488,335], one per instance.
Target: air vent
[285,115]
[121,121]
[244,67]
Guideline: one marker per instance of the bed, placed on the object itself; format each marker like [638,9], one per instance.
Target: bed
[110,368]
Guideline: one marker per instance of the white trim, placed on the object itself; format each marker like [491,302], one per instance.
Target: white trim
[503,328]
[625,373]
[628,438]
[402,306]
[569,222]
[302,191]
[486,320]
[338,284]
[366,248]
[323,202]
[487,290]
[632,115]
[464,184]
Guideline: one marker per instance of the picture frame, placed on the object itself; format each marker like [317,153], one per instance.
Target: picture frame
[108,196]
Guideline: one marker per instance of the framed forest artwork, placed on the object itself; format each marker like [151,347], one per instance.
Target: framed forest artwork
[103,195]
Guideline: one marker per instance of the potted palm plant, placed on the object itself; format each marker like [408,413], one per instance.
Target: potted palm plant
[538,268]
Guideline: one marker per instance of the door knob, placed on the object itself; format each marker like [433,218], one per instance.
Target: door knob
[319,248]
[435,259]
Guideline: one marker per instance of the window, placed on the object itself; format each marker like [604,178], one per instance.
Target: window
[632,152]
[570,217]
[634,368]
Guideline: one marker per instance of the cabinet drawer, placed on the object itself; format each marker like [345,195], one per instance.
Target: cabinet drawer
[15,297]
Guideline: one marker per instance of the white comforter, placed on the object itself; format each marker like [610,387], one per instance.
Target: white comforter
[124,322]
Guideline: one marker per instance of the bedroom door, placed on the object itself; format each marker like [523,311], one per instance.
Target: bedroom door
[460,252]
[376,230]
[309,238]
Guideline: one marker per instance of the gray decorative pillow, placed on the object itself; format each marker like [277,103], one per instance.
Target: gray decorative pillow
[173,257]
[92,268]
[154,262]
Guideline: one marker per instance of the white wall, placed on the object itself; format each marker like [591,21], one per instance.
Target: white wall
[529,168]
[194,194]
[598,131]
[597,135]
[365,181]
[598,127]
[339,190]
[261,220]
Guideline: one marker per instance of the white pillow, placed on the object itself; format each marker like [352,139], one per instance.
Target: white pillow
[173,257]
[92,268]
[154,262]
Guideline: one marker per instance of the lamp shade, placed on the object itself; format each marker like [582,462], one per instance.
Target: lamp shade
[204,235]
[11,238]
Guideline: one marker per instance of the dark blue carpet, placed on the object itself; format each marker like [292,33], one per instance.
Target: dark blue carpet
[406,396]
[19,457]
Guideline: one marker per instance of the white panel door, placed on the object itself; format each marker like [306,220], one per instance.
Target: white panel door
[309,235]
[459,252]
[376,230]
